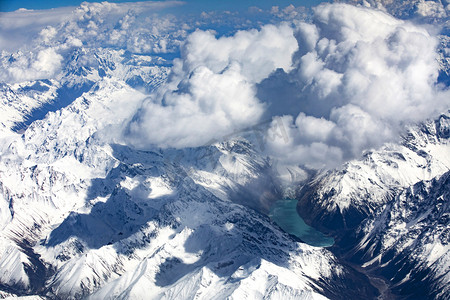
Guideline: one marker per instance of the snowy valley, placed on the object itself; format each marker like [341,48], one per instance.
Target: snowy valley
[94,206]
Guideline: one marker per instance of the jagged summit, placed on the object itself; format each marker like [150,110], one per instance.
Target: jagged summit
[389,210]
[93,217]
[144,157]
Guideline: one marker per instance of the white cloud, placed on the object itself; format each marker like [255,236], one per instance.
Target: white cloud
[48,61]
[305,144]
[351,78]
[33,43]
[361,75]
[431,9]
[19,28]
[314,129]
[140,28]
[30,66]
[357,77]
[211,91]
[258,52]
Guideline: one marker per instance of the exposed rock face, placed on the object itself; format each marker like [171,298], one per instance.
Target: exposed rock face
[389,211]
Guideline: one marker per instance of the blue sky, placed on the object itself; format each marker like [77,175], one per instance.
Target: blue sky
[11,5]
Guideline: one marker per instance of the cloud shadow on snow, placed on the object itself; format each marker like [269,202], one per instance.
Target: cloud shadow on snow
[65,96]
[123,213]
[223,251]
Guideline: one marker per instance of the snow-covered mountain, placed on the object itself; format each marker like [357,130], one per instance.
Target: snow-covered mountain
[409,242]
[389,210]
[23,103]
[355,191]
[91,217]
[85,213]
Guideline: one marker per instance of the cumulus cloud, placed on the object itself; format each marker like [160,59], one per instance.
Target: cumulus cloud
[147,28]
[345,82]
[424,11]
[211,91]
[431,9]
[361,75]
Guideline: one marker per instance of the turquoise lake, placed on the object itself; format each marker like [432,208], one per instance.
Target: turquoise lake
[284,213]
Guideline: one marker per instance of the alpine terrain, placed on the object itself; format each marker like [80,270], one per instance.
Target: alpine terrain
[136,162]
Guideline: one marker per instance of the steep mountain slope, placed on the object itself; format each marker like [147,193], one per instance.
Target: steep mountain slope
[24,103]
[83,215]
[389,210]
[342,198]
[409,241]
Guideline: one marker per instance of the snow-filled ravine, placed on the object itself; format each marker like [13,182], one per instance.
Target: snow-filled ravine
[284,213]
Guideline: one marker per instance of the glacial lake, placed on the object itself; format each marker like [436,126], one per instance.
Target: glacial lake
[284,213]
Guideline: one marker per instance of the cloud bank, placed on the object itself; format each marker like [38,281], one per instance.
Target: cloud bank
[361,75]
[211,91]
[349,81]
[146,27]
